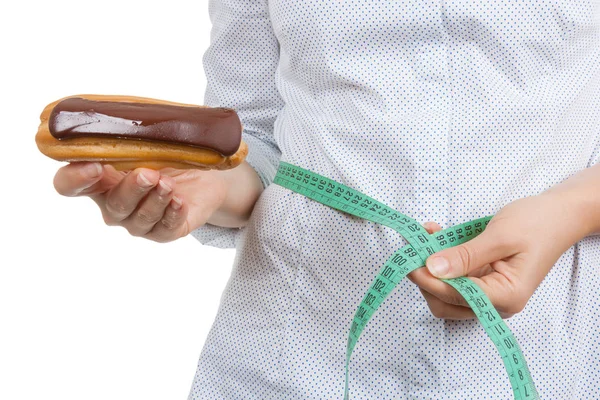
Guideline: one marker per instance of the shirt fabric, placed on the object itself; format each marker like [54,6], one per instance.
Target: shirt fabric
[443,110]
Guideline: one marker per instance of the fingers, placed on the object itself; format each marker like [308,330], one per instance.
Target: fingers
[432,227]
[508,297]
[440,309]
[151,209]
[74,178]
[443,292]
[172,225]
[119,202]
[145,204]
[160,216]
[83,178]
[435,287]
[457,261]
[445,302]
[142,200]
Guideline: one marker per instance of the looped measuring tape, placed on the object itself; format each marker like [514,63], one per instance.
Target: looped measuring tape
[407,259]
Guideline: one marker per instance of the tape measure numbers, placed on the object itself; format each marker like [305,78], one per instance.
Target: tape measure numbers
[405,260]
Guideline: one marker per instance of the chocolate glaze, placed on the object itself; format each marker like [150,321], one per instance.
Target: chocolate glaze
[217,128]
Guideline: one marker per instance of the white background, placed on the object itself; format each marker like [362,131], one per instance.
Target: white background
[87,311]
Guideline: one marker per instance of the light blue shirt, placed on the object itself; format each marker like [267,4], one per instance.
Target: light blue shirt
[445,111]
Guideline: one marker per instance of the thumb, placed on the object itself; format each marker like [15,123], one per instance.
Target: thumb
[472,255]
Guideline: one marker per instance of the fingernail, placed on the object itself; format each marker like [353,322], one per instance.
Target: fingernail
[143,181]
[176,203]
[163,189]
[92,170]
[438,266]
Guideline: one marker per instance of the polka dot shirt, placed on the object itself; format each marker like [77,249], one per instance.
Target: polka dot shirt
[445,111]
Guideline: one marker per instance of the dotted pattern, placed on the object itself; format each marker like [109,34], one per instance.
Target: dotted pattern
[445,111]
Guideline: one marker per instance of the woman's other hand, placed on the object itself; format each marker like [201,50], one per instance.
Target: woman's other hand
[508,261]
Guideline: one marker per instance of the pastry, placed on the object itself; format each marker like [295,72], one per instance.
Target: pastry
[130,132]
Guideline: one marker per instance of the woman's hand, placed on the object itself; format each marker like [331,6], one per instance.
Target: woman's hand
[163,205]
[508,261]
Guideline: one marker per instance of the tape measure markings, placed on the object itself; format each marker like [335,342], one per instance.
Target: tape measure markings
[405,260]
[343,198]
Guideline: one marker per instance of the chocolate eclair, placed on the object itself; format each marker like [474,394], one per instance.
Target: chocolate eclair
[130,132]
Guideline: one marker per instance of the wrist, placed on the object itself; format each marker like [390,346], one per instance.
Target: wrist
[579,213]
[581,196]
[237,190]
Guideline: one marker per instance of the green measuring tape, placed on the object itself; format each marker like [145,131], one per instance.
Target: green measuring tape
[407,259]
